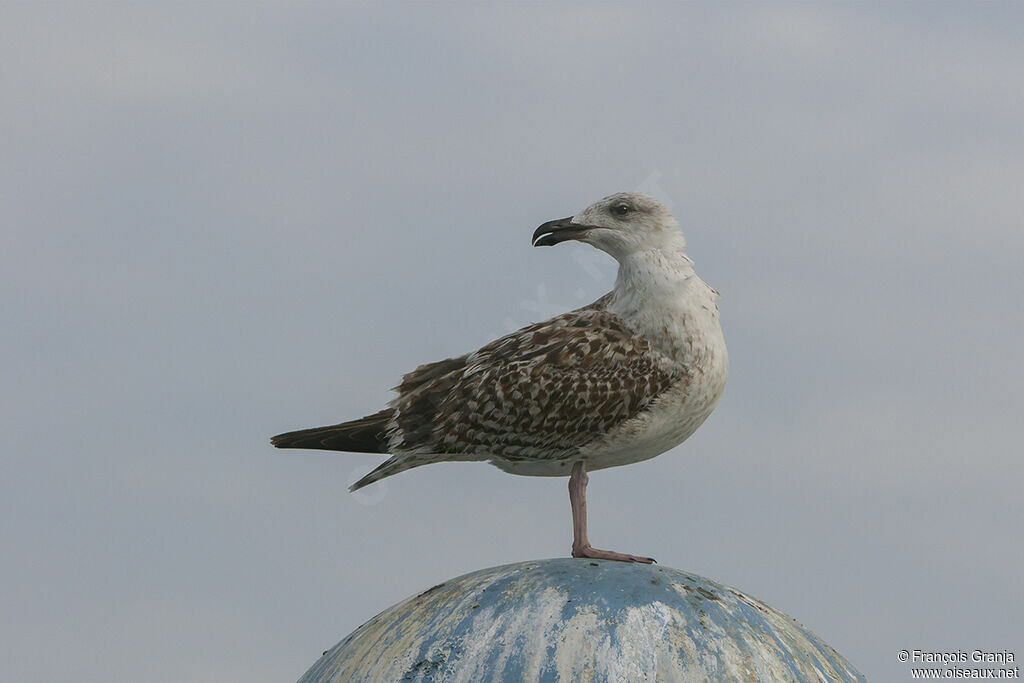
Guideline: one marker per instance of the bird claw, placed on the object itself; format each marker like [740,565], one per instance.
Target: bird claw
[593,553]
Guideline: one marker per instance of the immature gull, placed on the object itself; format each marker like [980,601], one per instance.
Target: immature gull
[616,382]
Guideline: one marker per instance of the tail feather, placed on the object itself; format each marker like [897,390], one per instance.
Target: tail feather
[393,465]
[366,435]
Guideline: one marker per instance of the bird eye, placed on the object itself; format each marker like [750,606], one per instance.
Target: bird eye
[621,209]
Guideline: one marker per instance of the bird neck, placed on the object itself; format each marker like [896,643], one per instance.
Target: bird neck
[659,295]
[653,275]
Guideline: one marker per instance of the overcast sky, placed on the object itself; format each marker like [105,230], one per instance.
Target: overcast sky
[221,222]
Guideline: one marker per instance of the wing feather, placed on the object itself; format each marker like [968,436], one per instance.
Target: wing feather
[541,392]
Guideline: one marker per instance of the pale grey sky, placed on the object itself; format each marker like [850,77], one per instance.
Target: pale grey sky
[221,222]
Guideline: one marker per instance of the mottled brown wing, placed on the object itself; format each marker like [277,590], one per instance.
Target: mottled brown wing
[538,393]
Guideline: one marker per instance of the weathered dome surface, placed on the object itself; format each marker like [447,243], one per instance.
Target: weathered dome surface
[573,620]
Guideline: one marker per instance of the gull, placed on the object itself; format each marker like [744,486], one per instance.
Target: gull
[619,381]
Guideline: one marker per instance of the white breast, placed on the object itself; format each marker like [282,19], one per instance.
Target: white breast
[684,328]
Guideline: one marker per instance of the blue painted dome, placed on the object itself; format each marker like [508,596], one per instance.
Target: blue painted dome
[573,620]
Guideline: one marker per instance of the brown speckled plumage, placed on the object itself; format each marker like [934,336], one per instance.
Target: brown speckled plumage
[537,393]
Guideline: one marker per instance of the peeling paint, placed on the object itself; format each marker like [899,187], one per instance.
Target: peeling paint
[568,619]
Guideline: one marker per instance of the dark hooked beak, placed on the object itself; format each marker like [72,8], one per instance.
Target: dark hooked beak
[561,230]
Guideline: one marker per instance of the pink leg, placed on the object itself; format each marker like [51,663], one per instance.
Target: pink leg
[578,500]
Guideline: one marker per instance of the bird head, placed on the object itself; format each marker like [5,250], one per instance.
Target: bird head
[620,224]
